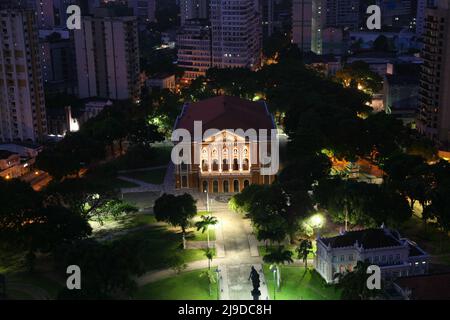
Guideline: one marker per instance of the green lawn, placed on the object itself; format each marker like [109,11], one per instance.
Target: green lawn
[155,176]
[137,220]
[160,244]
[185,286]
[195,235]
[296,284]
[190,255]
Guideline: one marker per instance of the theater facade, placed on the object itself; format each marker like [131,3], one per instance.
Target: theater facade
[226,158]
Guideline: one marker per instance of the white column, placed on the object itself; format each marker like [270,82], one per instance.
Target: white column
[249,148]
[209,158]
[220,157]
[240,150]
[230,158]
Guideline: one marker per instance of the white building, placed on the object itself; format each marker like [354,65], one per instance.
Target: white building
[107,56]
[236,34]
[162,81]
[22,104]
[396,256]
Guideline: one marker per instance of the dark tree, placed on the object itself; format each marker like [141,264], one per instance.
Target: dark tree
[176,210]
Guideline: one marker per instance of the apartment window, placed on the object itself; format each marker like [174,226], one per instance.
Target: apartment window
[342,258]
[350,257]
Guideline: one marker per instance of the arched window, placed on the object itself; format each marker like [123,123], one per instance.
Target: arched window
[245,164]
[205,165]
[235,164]
[226,187]
[215,186]
[215,165]
[236,186]
[225,166]
[246,183]
[205,186]
[184,182]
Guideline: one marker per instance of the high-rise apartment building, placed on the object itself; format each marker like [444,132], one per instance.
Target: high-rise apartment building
[145,10]
[343,14]
[420,14]
[107,56]
[301,24]
[236,34]
[45,13]
[434,95]
[22,102]
[194,48]
[58,61]
[267,9]
[194,9]
[232,38]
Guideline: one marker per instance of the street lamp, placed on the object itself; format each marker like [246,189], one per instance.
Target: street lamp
[218,282]
[207,200]
[274,271]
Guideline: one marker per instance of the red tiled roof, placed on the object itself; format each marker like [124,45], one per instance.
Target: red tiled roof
[427,287]
[225,112]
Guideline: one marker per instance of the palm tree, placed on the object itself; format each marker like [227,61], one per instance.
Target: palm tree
[303,251]
[204,224]
[276,258]
[209,254]
[209,275]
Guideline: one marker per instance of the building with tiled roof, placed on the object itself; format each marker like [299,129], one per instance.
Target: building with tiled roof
[396,256]
[224,158]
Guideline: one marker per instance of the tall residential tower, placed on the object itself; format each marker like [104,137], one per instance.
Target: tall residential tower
[236,34]
[22,103]
[107,56]
[434,101]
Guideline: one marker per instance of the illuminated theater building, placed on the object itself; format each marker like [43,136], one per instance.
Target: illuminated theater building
[228,160]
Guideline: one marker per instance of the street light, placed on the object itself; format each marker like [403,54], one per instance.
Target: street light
[317,221]
[274,271]
[218,282]
[207,200]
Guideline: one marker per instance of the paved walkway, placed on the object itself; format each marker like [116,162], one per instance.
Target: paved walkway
[237,252]
[241,253]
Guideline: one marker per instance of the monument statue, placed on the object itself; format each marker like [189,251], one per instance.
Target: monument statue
[254,277]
